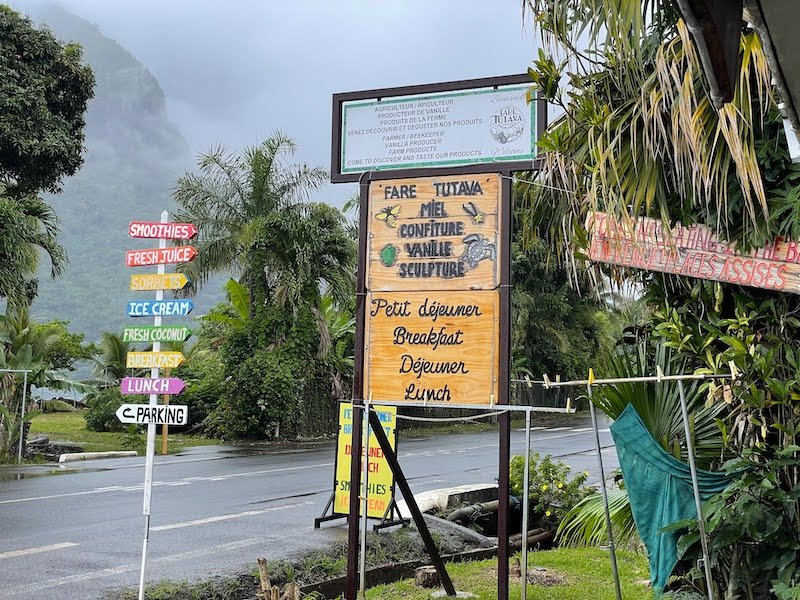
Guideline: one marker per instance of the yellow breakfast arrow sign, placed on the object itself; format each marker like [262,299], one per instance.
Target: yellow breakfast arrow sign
[153,281]
[150,360]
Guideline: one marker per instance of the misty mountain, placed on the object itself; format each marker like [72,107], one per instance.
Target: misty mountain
[133,156]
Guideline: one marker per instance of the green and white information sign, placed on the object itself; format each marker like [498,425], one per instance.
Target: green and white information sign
[439,130]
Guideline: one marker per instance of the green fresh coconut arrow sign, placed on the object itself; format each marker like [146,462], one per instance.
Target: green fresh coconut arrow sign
[150,333]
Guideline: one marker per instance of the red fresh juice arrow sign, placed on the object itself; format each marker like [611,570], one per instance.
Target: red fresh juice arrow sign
[160,256]
[170,231]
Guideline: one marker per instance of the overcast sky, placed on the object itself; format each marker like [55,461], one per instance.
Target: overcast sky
[235,70]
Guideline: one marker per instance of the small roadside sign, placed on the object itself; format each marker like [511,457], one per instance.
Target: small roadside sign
[144,414]
[160,256]
[154,385]
[160,308]
[154,360]
[150,333]
[154,281]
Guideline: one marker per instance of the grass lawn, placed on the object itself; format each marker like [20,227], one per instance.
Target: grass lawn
[585,573]
[71,427]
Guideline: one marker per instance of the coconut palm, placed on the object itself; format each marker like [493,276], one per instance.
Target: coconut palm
[231,198]
[307,249]
[110,362]
[28,228]
[639,134]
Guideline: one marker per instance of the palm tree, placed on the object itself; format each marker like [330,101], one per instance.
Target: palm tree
[639,135]
[110,363]
[233,197]
[28,226]
[23,347]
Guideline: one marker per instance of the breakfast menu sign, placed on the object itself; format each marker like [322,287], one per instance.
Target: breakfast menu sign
[432,311]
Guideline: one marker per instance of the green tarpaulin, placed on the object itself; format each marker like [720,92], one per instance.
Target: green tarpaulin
[660,491]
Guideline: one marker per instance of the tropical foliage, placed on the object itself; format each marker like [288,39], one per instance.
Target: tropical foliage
[284,337]
[552,489]
[28,229]
[45,89]
[234,200]
[24,347]
[640,137]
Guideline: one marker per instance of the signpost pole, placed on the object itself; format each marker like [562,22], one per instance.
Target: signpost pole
[609,529]
[22,416]
[356,444]
[165,427]
[696,488]
[365,504]
[504,351]
[526,504]
[151,433]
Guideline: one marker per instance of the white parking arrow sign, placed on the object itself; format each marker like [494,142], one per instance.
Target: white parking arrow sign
[143,414]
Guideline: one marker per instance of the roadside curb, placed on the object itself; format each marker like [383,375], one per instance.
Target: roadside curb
[76,456]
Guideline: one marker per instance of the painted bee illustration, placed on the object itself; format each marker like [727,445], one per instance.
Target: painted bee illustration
[478,217]
[389,215]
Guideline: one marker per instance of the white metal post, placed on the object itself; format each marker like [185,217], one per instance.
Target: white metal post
[696,488]
[526,482]
[362,589]
[22,416]
[151,434]
[612,548]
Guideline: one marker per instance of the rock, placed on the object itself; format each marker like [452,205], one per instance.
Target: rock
[426,577]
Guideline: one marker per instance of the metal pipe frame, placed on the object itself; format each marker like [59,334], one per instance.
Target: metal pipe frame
[696,489]
[604,492]
[646,379]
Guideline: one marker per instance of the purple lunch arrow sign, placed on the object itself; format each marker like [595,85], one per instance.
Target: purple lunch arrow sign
[146,385]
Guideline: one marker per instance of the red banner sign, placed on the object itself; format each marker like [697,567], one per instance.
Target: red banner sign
[170,231]
[693,251]
[160,256]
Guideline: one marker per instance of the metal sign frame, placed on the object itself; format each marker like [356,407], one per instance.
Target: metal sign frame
[360,402]
[432,88]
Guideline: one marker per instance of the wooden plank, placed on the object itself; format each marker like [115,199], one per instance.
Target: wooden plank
[431,347]
[434,233]
[693,251]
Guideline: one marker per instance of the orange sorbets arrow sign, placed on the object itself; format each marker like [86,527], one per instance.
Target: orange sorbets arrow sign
[160,256]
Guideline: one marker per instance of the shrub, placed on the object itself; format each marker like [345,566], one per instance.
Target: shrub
[552,491]
[101,415]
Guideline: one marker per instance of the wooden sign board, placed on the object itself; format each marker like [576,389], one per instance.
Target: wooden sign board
[434,233]
[694,252]
[426,347]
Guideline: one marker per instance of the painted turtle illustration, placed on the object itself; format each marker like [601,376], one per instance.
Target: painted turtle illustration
[477,249]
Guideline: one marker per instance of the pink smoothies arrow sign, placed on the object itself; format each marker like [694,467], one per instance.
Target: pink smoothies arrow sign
[146,385]
[154,230]
[160,256]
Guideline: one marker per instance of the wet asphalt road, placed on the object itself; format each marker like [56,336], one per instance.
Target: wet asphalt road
[216,509]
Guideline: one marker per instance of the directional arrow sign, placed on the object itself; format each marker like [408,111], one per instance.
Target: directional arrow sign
[160,256]
[171,231]
[159,308]
[150,360]
[153,281]
[146,385]
[166,414]
[165,333]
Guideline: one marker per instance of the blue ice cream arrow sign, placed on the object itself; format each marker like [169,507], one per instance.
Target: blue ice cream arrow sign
[159,308]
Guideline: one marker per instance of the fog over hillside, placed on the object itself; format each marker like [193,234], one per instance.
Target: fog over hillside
[178,77]
[233,71]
